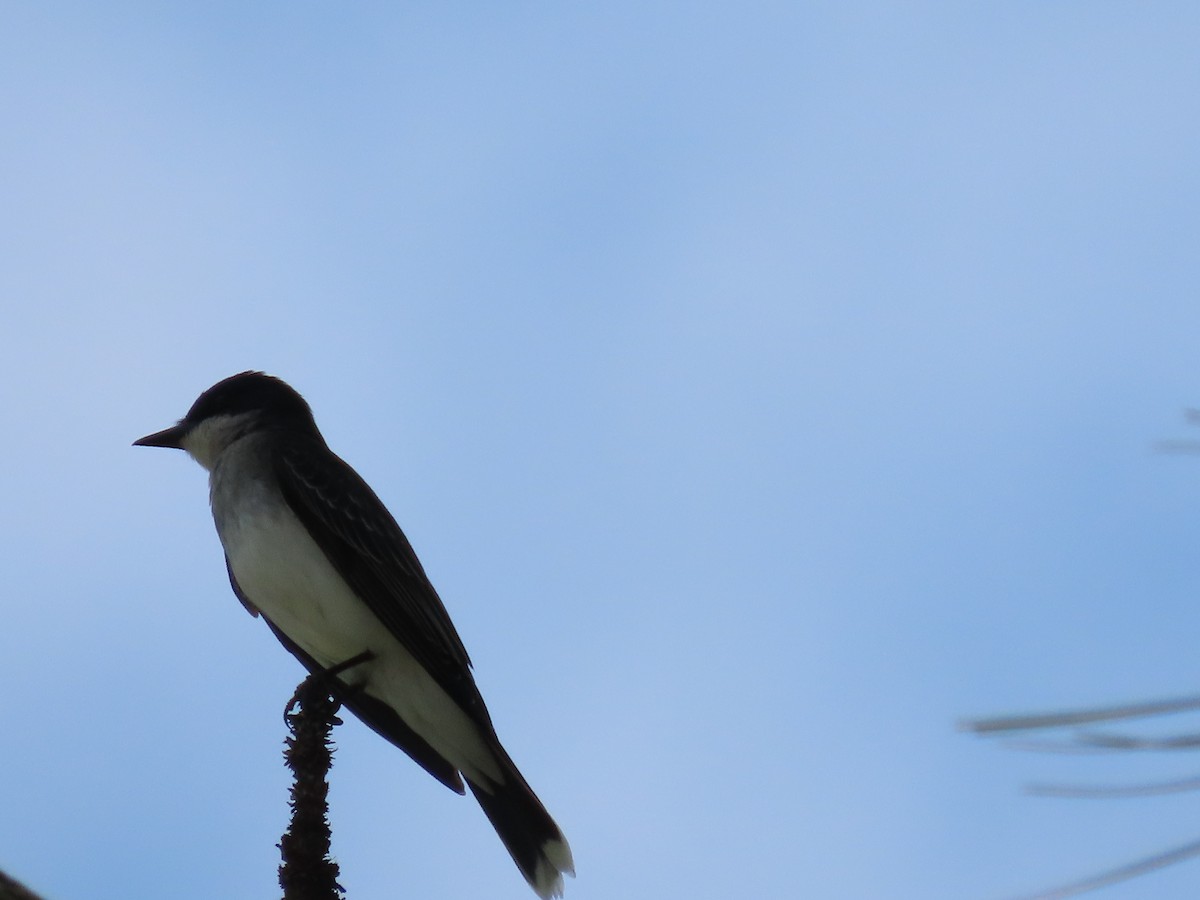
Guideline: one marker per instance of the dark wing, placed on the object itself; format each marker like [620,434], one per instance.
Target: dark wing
[368,549]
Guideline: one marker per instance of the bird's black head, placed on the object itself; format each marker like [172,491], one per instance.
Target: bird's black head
[251,392]
[246,402]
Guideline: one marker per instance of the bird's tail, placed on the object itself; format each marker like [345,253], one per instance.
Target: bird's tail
[532,838]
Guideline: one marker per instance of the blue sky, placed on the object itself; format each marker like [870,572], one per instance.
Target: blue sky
[764,386]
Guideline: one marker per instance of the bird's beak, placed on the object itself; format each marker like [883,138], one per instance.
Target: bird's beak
[169,437]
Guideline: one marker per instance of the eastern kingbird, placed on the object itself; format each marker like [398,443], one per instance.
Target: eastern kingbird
[310,548]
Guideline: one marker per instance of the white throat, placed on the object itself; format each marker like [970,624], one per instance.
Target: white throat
[207,440]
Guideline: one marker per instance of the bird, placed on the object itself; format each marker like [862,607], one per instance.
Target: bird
[312,549]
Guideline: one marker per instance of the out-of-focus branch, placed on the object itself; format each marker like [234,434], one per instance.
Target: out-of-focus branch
[14,890]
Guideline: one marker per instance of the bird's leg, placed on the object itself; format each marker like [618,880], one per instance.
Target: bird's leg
[325,681]
[339,668]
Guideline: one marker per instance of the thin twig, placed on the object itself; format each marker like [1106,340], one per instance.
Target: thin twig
[1122,873]
[1104,792]
[1079,716]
